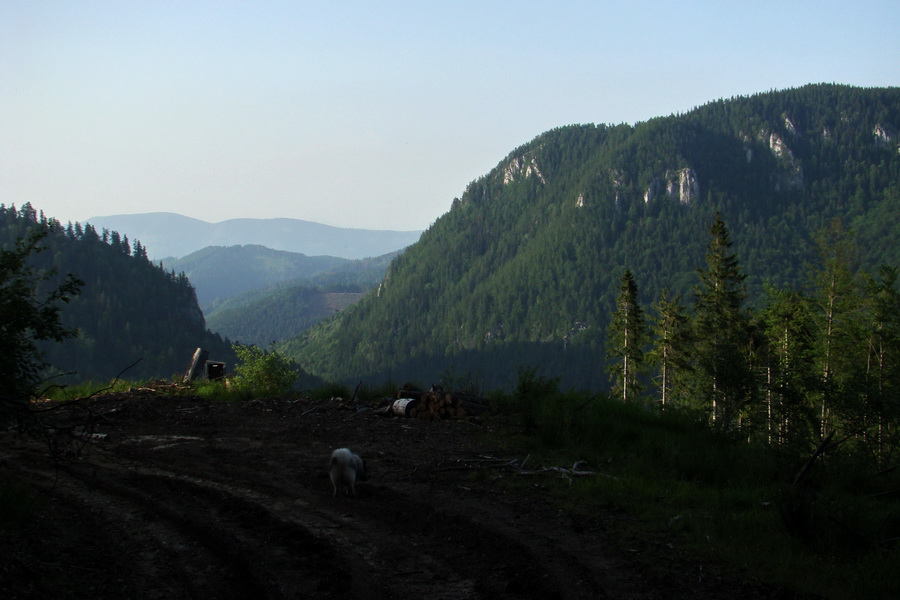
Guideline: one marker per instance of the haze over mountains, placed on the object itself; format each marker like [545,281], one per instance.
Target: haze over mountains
[524,268]
[166,235]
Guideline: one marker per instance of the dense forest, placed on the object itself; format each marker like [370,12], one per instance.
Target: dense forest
[525,269]
[221,272]
[286,293]
[129,312]
[276,314]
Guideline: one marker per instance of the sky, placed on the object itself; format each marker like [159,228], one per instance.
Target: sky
[371,114]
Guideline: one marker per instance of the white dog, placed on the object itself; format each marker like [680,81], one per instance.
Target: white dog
[346,469]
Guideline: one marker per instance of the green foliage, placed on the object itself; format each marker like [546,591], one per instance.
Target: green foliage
[671,354]
[274,315]
[219,391]
[721,333]
[626,340]
[711,493]
[27,315]
[264,373]
[524,268]
[220,272]
[128,312]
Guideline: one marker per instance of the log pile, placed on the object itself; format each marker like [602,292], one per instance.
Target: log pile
[436,404]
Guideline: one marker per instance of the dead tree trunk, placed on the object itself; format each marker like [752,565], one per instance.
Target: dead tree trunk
[197,364]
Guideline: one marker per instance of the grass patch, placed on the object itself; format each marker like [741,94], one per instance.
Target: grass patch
[837,534]
[219,391]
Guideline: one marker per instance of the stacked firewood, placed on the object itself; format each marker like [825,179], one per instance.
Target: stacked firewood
[436,404]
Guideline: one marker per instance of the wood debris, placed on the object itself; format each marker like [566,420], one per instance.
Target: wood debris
[517,467]
[435,405]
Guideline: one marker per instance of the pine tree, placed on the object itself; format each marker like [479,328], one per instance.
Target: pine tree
[671,348]
[722,332]
[626,341]
[883,362]
[786,323]
[836,301]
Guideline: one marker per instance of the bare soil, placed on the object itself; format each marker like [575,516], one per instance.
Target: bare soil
[179,497]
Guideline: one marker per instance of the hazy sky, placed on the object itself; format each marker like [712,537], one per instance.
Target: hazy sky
[365,113]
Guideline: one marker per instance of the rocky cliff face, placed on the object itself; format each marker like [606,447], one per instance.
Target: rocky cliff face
[884,136]
[682,185]
[791,178]
[522,167]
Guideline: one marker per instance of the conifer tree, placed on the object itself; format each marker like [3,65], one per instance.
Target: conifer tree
[786,324]
[671,349]
[722,332]
[883,362]
[836,301]
[626,340]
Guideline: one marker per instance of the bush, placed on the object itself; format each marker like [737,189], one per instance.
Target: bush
[27,317]
[264,373]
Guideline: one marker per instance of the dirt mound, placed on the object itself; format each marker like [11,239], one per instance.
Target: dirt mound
[171,497]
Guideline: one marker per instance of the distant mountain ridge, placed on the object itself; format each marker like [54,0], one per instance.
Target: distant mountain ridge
[166,234]
[258,295]
[219,273]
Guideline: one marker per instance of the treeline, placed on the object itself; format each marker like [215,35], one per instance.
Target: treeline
[128,312]
[810,363]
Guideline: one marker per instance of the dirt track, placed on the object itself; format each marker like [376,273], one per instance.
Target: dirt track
[177,497]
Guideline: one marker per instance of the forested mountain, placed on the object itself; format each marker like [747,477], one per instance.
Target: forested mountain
[128,310]
[284,310]
[278,314]
[525,269]
[171,234]
[219,273]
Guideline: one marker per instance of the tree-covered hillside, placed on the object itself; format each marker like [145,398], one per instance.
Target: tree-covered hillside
[128,310]
[525,268]
[283,311]
[221,272]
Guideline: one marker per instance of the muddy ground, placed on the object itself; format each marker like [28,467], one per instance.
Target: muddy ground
[179,497]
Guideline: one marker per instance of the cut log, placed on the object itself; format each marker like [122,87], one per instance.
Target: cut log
[403,406]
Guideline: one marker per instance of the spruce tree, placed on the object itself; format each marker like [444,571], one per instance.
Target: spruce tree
[626,340]
[882,405]
[836,301]
[671,349]
[786,323]
[722,332]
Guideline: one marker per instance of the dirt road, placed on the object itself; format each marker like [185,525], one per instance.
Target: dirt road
[179,497]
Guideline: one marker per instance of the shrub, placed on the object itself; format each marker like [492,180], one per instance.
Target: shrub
[264,373]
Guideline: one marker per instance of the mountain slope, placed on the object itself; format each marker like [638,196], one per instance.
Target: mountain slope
[277,314]
[284,310]
[220,272]
[128,311]
[523,270]
[172,235]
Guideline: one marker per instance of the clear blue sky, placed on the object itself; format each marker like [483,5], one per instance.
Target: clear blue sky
[370,114]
